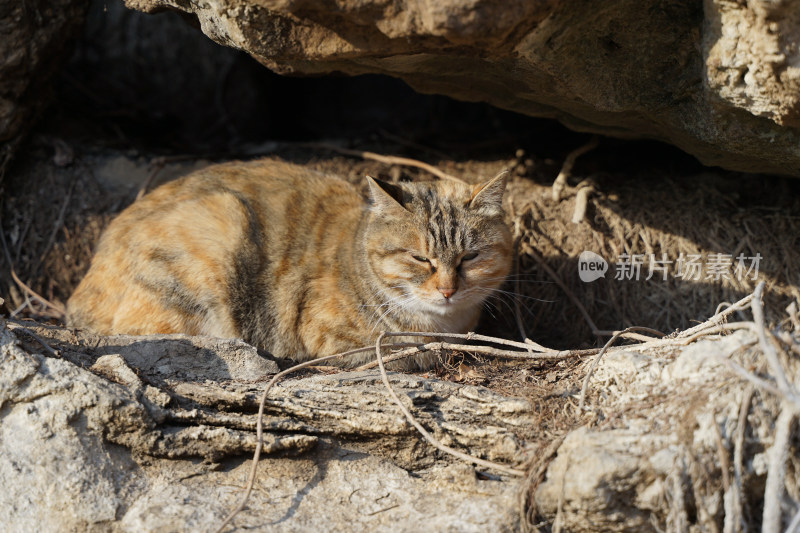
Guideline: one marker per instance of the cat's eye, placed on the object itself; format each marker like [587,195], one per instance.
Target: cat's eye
[469,257]
[421,259]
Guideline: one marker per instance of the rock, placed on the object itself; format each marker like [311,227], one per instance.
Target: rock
[757,67]
[718,79]
[104,434]
[107,436]
[663,421]
[35,43]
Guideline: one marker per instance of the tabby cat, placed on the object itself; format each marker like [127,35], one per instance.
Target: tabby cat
[296,262]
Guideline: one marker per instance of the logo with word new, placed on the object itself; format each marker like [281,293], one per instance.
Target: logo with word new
[591,266]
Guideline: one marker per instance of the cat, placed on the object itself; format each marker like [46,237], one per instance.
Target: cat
[296,262]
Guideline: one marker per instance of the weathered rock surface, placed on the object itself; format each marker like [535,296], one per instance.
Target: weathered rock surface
[106,436]
[718,79]
[660,452]
[33,43]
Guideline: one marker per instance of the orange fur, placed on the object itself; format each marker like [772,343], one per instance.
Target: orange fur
[296,262]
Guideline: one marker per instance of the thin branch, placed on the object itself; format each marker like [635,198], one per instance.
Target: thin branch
[724,462]
[430,438]
[57,226]
[632,336]
[473,337]
[794,525]
[251,480]
[776,471]
[732,513]
[767,347]
[596,361]
[738,453]
[713,330]
[716,319]
[550,272]
[17,327]
[755,380]
[560,182]
[478,348]
[389,160]
[33,294]
[21,307]
[581,203]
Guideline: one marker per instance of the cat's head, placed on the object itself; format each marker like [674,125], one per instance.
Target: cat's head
[438,246]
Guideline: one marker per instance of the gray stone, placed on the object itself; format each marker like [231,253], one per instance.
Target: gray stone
[654,453]
[718,79]
[107,437]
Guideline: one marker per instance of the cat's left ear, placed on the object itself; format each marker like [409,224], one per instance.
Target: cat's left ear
[386,198]
[489,195]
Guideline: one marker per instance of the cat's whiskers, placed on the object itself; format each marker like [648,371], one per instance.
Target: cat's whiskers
[488,305]
[501,295]
[516,280]
[511,294]
[394,303]
[391,298]
[391,309]
[490,296]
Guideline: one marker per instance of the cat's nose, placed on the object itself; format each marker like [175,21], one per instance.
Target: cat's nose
[447,292]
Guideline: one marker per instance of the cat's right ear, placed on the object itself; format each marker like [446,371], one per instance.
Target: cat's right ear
[386,198]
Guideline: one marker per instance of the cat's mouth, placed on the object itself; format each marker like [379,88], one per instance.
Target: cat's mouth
[446,304]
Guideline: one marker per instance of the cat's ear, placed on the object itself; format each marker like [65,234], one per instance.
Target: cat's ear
[489,195]
[386,198]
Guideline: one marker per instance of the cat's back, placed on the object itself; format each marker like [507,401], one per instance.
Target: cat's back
[269,183]
[171,261]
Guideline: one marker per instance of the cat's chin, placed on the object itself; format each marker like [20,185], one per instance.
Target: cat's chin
[442,307]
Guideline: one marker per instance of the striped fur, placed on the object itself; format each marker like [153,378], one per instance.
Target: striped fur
[295,262]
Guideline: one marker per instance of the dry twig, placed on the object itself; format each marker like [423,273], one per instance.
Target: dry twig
[389,160]
[738,456]
[56,227]
[769,349]
[31,293]
[430,438]
[729,497]
[555,277]
[34,336]
[260,427]
[535,475]
[596,361]
[631,335]
[581,202]
[776,471]
[718,318]
[560,182]
[36,296]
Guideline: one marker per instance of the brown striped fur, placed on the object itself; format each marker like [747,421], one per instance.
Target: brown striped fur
[295,262]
